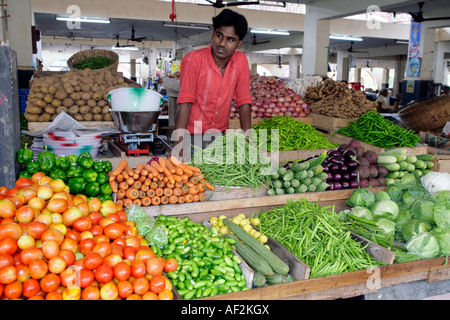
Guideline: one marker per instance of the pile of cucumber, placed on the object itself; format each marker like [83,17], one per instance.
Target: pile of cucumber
[300,177]
[398,163]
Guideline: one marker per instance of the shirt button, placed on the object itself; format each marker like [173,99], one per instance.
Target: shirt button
[219,99]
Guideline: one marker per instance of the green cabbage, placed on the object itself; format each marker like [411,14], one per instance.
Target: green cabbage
[414,194]
[382,195]
[423,245]
[423,210]
[414,227]
[362,212]
[361,197]
[443,238]
[441,211]
[395,192]
[385,209]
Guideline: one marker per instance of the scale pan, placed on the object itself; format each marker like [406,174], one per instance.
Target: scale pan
[134,121]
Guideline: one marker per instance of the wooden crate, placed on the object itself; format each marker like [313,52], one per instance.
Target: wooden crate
[38,126]
[235,123]
[329,123]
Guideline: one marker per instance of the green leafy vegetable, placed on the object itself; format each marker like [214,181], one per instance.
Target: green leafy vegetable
[423,245]
[361,197]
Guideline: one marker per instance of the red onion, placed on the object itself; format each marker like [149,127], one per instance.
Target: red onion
[295,114]
[259,115]
[283,109]
[276,110]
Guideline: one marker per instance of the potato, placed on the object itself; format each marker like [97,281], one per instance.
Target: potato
[107,117]
[120,80]
[105,109]
[39,103]
[45,117]
[96,110]
[94,87]
[85,109]
[75,96]
[102,103]
[48,98]
[86,87]
[86,96]
[81,102]
[52,89]
[77,88]
[36,88]
[69,89]
[60,94]
[56,103]
[62,109]
[88,116]
[78,117]
[49,109]
[33,109]
[74,109]
[44,89]
[98,117]
[105,96]
[97,96]
[31,117]
[91,103]
[53,116]
[67,102]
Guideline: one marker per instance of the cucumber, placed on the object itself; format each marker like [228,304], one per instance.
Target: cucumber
[259,279]
[420,164]
[386,159]
[429,164]
[403,165]
[411,159]
[391,166]
[394,152]
[425,157]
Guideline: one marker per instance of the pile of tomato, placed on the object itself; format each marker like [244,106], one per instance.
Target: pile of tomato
[58,246]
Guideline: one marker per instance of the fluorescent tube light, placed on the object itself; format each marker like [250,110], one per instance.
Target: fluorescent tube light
[401,41]
[186,25]
[270,31]
[125,48]
[83,19]
[345,37]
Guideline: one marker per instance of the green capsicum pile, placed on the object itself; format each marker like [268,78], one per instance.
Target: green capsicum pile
[82,173]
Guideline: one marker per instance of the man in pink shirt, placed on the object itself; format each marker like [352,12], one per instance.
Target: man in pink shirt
[210,79]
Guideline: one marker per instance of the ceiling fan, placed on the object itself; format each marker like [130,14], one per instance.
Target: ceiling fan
[418,16]
[122,46]
[222,4]
[254,43]
[354,51]
[133,38]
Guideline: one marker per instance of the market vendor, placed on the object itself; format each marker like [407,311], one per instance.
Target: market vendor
[210,78]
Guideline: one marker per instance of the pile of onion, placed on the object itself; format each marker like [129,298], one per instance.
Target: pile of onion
[271,98]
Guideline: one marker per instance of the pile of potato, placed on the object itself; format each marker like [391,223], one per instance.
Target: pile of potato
[81,94]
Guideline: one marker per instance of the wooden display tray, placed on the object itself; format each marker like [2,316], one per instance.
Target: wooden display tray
[38,126]
[329,123]
[235,123]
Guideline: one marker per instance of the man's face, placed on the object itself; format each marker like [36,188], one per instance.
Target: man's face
[225,42]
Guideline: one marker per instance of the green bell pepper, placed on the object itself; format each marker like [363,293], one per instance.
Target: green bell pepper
[102,178]
[58,174]
[106,189]
[92,189]
[108,166]
[76,185]
[99,166]
[46,160]
[89,175]
[24,155]
[25,174]
[104,197]
[62,162]
[85,160]
[33,166]
[74,171]
[72,158]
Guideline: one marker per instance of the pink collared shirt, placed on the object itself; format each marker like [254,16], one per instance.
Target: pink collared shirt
[202,84]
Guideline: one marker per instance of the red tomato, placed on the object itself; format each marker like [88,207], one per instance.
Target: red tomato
[50,282]
[68,278]
[129,253]
[36,229]
[138,269]
[23,182]
[30,287]
[125,289]
[157,284]
[122,215]
[112,259]
[54,295]
[92,260]
[141,286]
[171,265]
[109,291]
[91,293]
[122,271]
[68,256]
[104,274]
[69,244]
[86,277]
[29,254]
[8,275]
[25,214]
[38,268]
[95,217]
[53,234]
[96,230]
[86,245]
[120,242]
[114,217]
[150,296]
[50,249]
[144,255]
[11,230]
[82,224]
[113,230]
[154,266]
[13,290]
[103,248]
[22,272]
[2,287]
[56,265]
[74,235]
[7,208]
[6,260]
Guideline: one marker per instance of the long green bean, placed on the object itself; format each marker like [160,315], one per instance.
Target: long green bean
[315,236]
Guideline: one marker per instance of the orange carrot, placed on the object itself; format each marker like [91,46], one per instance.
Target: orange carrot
[113,185]
[129,171]
[123,185]
[188,198]
[168,192]
[192,168]
[130,181]
[127,202]
[151,193]
[159,192]
[156,165]
[151,170]
[153,185]
[137,202]
[175,161]
[120,194]
[201,187]
[202,196]
[139,168]
[132,193]
[144,173]
[142,179]
[120,178]
[193,180]
[147,182]
[170,185]
[142,194]
[119,202]
[193,190]
[137,184]
[145,187]
[120,167]
[181,199]
[177,178]
[156,200]
[146,201]
[125,175]
[177,192]
[170,166]
[164,200]
[207,184]
[173,199]
[196,198]
[136,176]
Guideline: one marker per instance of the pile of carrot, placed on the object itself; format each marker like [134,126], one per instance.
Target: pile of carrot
[162,181]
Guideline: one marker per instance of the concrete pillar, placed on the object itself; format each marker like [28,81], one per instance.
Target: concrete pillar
[254,68]
[385,78]
[343,63]
[19,31]
[399,75]
[293,67]
[358,75]
[440,65]
[316,41]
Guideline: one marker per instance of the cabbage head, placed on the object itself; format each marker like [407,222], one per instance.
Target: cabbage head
[412,195]
[423,245]
[361,197]
[414,227]
[403,217]
[362,212]
[382,195]
[443,238]
[423,210]
[387,226]
[385,209]
[441,211]
[395,192]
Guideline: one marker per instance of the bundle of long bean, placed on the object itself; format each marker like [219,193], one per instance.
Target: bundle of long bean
[293,135]
[374,129]
[315,236]
[231,161]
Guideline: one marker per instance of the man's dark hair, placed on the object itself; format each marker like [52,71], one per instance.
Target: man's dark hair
[231,18]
